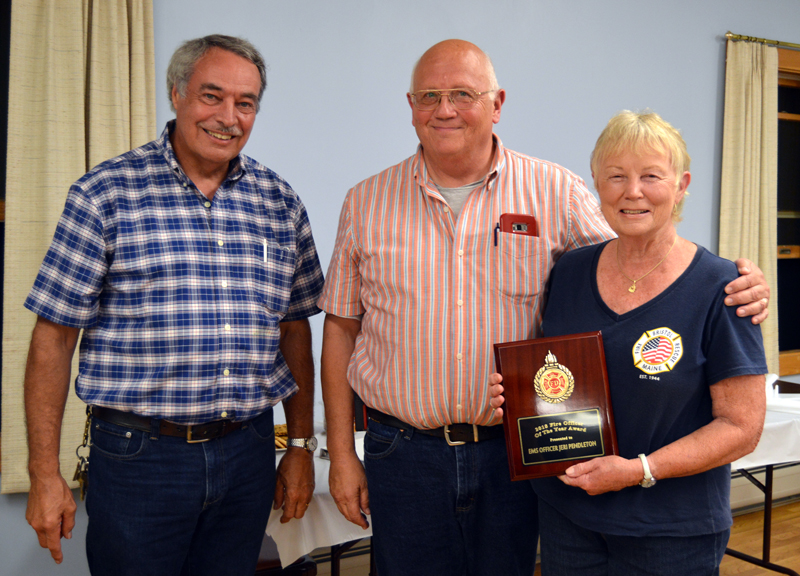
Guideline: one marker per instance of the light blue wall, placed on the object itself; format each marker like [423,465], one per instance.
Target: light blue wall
[335,110]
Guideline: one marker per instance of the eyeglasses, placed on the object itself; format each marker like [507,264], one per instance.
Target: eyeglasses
[461,98]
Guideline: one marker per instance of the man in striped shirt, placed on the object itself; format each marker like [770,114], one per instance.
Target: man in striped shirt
[421,284]
[192,271]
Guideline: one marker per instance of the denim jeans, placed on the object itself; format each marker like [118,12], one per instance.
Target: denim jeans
[160,506]
[444,510]
[569,550]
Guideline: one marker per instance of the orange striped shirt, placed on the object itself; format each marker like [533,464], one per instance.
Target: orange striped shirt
[436,292]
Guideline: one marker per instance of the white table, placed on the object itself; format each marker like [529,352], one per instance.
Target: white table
[323,525]
[779,444]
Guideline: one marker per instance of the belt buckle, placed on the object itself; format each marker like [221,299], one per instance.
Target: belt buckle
[189,439]
[458,443]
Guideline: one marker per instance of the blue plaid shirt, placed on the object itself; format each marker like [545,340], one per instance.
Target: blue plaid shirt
[180,298]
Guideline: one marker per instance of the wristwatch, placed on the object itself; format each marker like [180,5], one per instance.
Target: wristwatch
[648,479]
[309,444]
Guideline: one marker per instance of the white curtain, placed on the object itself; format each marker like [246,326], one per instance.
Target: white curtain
[749,188]
[82,89]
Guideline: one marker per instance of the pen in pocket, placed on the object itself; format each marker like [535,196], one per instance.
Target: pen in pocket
[265,249]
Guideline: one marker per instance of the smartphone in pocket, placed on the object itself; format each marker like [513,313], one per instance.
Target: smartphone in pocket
[523,224]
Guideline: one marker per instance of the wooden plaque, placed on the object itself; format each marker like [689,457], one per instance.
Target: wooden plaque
[557,409]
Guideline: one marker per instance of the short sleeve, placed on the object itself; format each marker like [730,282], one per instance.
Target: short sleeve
[67,288]
[308,280]
[341,295]
[733,345]
[587,224]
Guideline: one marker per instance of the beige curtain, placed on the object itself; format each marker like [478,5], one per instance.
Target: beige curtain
[749,195]
[82,89]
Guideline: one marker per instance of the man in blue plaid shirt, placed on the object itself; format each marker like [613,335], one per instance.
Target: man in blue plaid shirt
[192,271]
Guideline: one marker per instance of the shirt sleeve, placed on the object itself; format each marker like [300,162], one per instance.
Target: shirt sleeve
[587,224]
[68,286]
[733,346]
[308,280]
[341,295]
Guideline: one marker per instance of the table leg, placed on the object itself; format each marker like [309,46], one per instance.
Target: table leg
[339,549]
[336,556]
[764,562]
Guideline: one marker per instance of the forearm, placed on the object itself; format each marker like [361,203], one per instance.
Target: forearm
[295,346]
[47,377]
[739,408]
[338,343]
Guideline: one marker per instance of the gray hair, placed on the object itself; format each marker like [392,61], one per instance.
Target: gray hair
[181,65]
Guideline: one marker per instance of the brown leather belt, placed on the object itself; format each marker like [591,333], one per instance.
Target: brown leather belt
[455,434]
[193,434]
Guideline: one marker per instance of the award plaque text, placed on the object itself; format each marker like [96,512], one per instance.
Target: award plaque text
[557,409]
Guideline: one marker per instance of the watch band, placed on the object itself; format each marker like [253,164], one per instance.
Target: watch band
[648,479]
[309,444]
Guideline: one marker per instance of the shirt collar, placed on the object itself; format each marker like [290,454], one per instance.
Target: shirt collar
[236,168]
[420,170]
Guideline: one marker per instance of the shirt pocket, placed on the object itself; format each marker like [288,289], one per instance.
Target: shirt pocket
[522,266]
[276,275]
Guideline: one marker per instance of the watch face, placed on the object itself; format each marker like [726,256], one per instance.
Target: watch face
[312,444]
[647,482]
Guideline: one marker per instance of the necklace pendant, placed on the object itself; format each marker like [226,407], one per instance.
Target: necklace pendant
[632,289]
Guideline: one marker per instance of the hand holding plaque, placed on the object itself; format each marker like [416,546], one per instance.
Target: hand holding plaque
[557,409]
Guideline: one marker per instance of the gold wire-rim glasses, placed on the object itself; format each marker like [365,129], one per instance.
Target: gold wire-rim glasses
[461,104]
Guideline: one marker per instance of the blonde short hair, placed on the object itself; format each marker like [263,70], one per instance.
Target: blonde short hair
[642,132]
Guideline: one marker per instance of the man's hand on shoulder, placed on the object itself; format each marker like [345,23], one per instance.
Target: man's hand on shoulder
[749,292]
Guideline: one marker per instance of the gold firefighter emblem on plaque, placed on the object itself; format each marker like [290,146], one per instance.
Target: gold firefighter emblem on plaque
[553,382]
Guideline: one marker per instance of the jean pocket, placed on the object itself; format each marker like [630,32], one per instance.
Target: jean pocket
[262,427]
[380,440]
[117,442]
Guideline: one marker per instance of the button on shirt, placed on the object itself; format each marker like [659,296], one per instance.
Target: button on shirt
[436,292]
[180,298]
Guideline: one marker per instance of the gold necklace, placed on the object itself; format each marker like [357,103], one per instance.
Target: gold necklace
[632,289]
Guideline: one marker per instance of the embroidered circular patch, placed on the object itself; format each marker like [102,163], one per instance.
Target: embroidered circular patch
[657,351]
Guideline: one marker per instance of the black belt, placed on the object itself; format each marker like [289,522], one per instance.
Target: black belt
[455,434]
[193,434]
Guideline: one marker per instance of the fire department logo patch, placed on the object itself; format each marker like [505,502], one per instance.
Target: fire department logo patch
[657,351]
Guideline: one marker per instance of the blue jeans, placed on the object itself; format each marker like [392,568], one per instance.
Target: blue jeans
[569,550]
[158,505]
[444,510]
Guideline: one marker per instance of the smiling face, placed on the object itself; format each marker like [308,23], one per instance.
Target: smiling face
[638,192]
[446,133]
[215,117]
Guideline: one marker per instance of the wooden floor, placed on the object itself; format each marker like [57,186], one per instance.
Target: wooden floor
[746,537]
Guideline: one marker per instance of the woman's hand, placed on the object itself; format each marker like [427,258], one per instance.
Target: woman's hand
[496,398]
[606,474]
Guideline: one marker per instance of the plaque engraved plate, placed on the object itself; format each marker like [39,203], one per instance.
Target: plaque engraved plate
[557,409]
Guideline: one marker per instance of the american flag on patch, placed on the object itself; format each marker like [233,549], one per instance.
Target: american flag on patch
[657,350]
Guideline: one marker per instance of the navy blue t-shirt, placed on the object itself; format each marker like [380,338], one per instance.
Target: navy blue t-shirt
[661,358]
